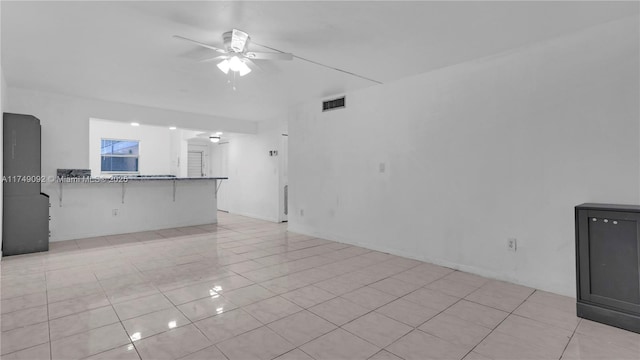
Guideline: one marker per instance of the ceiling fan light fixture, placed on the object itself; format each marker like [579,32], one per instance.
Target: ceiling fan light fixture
[244,69]
[224,66]
[235,64]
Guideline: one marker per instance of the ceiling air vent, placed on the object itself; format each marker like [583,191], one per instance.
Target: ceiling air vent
[333,104]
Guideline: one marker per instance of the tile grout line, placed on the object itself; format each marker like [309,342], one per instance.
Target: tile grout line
[46,294]
[42,322]
[119,321]
[190,323]
[336,296]
[241,308]
[417,327]
[570,338]
[506,317]
[188,319]
[442,311]
[400,297]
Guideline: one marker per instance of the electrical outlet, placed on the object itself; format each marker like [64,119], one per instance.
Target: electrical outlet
[512,244]
[114,212]
[301,212]
[382,167]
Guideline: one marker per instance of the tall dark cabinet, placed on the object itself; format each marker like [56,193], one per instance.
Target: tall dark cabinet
[608,264]
[25,211]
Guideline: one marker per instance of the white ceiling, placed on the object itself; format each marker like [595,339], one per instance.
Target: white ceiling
[124,51]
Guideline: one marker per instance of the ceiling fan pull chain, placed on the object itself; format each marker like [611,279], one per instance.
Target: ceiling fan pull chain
[234,81]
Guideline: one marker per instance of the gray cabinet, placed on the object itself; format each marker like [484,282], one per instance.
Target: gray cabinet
[608,264]
[25,210]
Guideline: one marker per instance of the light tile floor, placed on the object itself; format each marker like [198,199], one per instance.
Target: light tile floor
[248,289]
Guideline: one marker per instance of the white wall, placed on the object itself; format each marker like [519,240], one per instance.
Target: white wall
[154,147]
[253,185]
[175,146]
[475,154]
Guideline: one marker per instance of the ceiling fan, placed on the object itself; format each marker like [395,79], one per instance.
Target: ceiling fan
[236,55]
[215,137]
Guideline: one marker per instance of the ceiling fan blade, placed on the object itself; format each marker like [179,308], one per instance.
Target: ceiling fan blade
[201,44]
[268,56]
[252,64]
[221,57]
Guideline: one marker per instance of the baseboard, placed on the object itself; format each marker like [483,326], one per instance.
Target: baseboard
[254,216]
[420,257]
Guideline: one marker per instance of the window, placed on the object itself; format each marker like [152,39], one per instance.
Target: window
[119,156]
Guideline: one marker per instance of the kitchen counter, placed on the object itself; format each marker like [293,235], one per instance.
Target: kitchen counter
[91,206]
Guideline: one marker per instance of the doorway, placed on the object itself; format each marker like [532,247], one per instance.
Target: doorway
[194,164]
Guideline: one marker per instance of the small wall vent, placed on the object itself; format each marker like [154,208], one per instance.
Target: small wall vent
[338,103]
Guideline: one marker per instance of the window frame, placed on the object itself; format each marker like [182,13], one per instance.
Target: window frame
[120,156]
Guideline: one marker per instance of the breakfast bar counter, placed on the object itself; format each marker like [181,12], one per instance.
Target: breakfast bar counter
[90,207]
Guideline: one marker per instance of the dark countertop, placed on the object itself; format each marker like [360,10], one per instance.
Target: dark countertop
[138,178]
[125,179]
